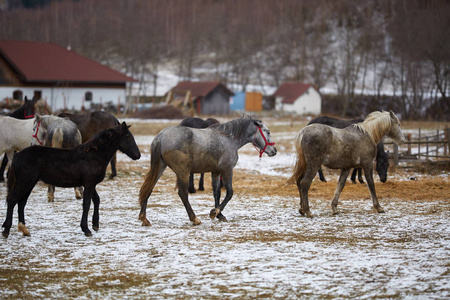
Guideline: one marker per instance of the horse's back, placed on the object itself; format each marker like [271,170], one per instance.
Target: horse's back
[334,122]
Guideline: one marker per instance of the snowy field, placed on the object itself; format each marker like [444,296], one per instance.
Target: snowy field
[265,250]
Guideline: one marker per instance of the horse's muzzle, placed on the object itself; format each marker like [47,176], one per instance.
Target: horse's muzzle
[271,151]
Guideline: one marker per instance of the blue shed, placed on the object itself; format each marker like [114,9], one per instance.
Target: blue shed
[238,101]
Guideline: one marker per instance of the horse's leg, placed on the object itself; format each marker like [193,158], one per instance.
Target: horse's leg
[15,196]
[368,173]
[87,196]
[216,184]
[353,177]
[113,167]
[191,188]
[303,185]
[79,192]
[201,186]
[321,177]
[51,193]
[3,167]
[339,187]
[9,216]
[95,215]
[183,182]
[360,179]
[21,212]
[147,188]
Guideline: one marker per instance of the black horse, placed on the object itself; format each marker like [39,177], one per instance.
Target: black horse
[382,157]
[197,123]
[26,111]
[84,165]
[90,124]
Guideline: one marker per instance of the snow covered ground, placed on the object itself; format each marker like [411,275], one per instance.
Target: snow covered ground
[265,250]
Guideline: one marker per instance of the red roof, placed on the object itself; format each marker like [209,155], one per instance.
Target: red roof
[200,89]
[49,62]
[291,91]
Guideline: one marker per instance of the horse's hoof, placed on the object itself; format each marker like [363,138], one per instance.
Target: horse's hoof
[381,211]
[22,228]
[335,213]
[309,215]
[196,221]
[201,189]
[95,228]
[353,181]
[222,218]
[88,233]
[5,235]
[192,191]
[214,213]
[301,212]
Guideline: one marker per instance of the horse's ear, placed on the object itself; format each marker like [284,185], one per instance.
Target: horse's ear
[258,123]
[393,116]
[125,126]
[26,99]
[37,118]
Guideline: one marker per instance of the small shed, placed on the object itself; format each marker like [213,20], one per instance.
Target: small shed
[300,98]
[238,101]
[253,101]
[207,97]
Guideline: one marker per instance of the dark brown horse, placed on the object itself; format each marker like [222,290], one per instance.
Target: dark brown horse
[84,165]
[92,123]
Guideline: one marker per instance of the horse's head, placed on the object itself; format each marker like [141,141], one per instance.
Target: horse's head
[127,143]
[29,108]
[263,140]
[382,165]
[395,133]
[39,132]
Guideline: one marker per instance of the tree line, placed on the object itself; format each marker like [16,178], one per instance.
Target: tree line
[350,47]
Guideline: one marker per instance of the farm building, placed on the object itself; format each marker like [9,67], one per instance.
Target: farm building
[299,98]
[208,97]
[246,101]
[63,78]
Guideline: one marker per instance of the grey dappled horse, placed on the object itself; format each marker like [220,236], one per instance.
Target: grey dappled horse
[382,158]
[214,149]
[56,132]
[351,147]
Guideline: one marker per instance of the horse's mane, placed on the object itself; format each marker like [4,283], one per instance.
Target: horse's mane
[48,119]
[236,128]
[376,124]
[99,139]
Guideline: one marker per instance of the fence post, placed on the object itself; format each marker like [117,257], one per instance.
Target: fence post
[418,144]
[395,154]
[447,137]
[437,144]
[409,144]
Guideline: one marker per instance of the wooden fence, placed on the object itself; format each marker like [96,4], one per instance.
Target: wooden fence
[436,146]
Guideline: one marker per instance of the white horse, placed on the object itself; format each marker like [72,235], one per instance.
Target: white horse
[15,135]
[56,132]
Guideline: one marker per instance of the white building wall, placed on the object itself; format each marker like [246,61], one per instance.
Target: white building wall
[310,103]
[59,98]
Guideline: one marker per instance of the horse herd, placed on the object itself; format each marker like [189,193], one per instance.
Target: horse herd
[66,152]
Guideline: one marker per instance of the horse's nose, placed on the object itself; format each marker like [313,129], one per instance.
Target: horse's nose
[273,152]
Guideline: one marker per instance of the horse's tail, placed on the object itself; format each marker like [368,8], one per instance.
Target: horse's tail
[152,176]
[300,165]
[12,178]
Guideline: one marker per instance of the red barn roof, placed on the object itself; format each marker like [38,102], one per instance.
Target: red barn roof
[200,89]
[49,62]
[291,91]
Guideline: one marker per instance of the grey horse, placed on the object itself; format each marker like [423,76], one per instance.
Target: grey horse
[56,132]
[351,147]
[214,149]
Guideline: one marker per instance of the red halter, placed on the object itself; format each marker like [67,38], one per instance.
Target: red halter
[35,135]
[265,142]
[27,116]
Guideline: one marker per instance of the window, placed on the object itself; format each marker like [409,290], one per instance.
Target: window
[38,94]
[17,95]
[88,96]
